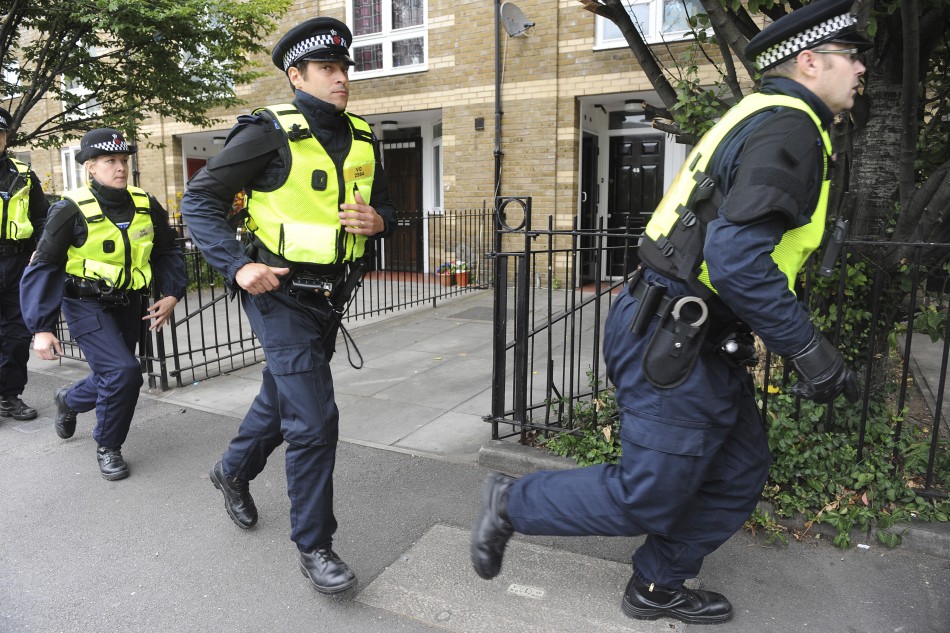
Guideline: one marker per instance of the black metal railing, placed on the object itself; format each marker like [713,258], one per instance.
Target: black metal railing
[209,334]
[558,285]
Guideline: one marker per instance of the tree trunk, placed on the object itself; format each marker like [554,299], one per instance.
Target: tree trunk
[876,151]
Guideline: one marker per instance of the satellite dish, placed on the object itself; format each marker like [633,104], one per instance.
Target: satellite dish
[514,20]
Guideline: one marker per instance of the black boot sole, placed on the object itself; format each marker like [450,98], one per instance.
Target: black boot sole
[115,476]
[21,418]
[327,590]
[654,614]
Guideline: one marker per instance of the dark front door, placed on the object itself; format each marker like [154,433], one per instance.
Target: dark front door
[589,196]
[403,163]
[636,187]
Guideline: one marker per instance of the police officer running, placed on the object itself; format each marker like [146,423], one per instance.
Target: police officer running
[721,254]
[23,217]
[308,169]
[102,246]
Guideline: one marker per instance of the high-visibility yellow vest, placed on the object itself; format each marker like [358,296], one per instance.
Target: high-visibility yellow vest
[299,219]
[673,238]
[118,256]
[16,206]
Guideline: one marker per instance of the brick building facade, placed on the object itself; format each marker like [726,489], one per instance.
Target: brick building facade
[572,135]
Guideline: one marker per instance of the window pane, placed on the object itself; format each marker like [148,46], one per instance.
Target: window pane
[407,13]
[367,17]
[408,52]
[676,15]
[368,57]
[639,13]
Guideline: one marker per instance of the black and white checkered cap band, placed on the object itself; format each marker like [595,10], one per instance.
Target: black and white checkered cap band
[315,43]
[112,147]
[803,40]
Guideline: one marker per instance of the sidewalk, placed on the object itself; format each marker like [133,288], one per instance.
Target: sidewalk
[157,552]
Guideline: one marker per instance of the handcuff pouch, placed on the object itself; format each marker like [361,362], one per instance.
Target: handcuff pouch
[676,343]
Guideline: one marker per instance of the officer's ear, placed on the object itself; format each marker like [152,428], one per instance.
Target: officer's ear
[808,63]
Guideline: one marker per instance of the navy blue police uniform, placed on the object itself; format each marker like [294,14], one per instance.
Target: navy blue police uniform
[695,454]
[105,319]
[296,403]
[16,181]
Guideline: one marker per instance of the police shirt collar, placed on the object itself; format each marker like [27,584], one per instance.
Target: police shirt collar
[319,110]
[790,87]
[107,194]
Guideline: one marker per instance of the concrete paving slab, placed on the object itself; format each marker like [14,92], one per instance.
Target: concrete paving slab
[546,591]
[478,313]
[436,391]
[479,404]
[233,400]
[453,435]
[379,422]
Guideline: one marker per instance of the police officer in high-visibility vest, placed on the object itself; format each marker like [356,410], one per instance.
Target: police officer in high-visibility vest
[23,216]
[720,256]
[102,247]
[316,192]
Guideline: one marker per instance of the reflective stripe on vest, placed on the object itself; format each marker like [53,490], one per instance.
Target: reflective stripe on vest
[119,256]
[16,223]
[299,220]
[676,210]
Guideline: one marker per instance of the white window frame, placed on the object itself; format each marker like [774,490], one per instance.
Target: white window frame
[91,109]
[652,32]
[386,37]
[12,76]
[72,171]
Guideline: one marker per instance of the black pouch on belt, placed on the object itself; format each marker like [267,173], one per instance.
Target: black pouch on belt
[676,342]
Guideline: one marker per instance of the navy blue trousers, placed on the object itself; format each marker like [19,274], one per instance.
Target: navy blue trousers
[107,338]
[295,405]
[695,459]
[14,335]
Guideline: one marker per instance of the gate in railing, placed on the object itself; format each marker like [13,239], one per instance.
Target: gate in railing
[551,300]
[210,334]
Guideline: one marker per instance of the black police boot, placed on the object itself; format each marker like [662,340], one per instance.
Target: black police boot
[65,417]
[13,407]
[237,497]
[111,464]
[327,573]
[492,529]
[686,605]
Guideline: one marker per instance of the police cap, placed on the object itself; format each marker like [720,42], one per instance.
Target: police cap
[325,39]
[818,22]
[102,141]
[5,120]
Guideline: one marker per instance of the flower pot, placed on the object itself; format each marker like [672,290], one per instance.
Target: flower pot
[461,278]
[447,279]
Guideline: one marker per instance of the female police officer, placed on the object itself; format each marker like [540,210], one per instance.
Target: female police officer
[96,258]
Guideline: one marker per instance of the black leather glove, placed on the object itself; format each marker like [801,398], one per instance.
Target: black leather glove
[822,374]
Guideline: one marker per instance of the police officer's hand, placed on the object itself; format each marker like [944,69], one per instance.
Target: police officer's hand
[259,278]
[823,375]
[47,346]
[360,218]
[159,312]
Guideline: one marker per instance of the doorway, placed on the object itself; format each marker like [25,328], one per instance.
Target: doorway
[635,187]
[403,163]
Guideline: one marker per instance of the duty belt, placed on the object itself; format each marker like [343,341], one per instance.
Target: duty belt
[81,288]
[13,247]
